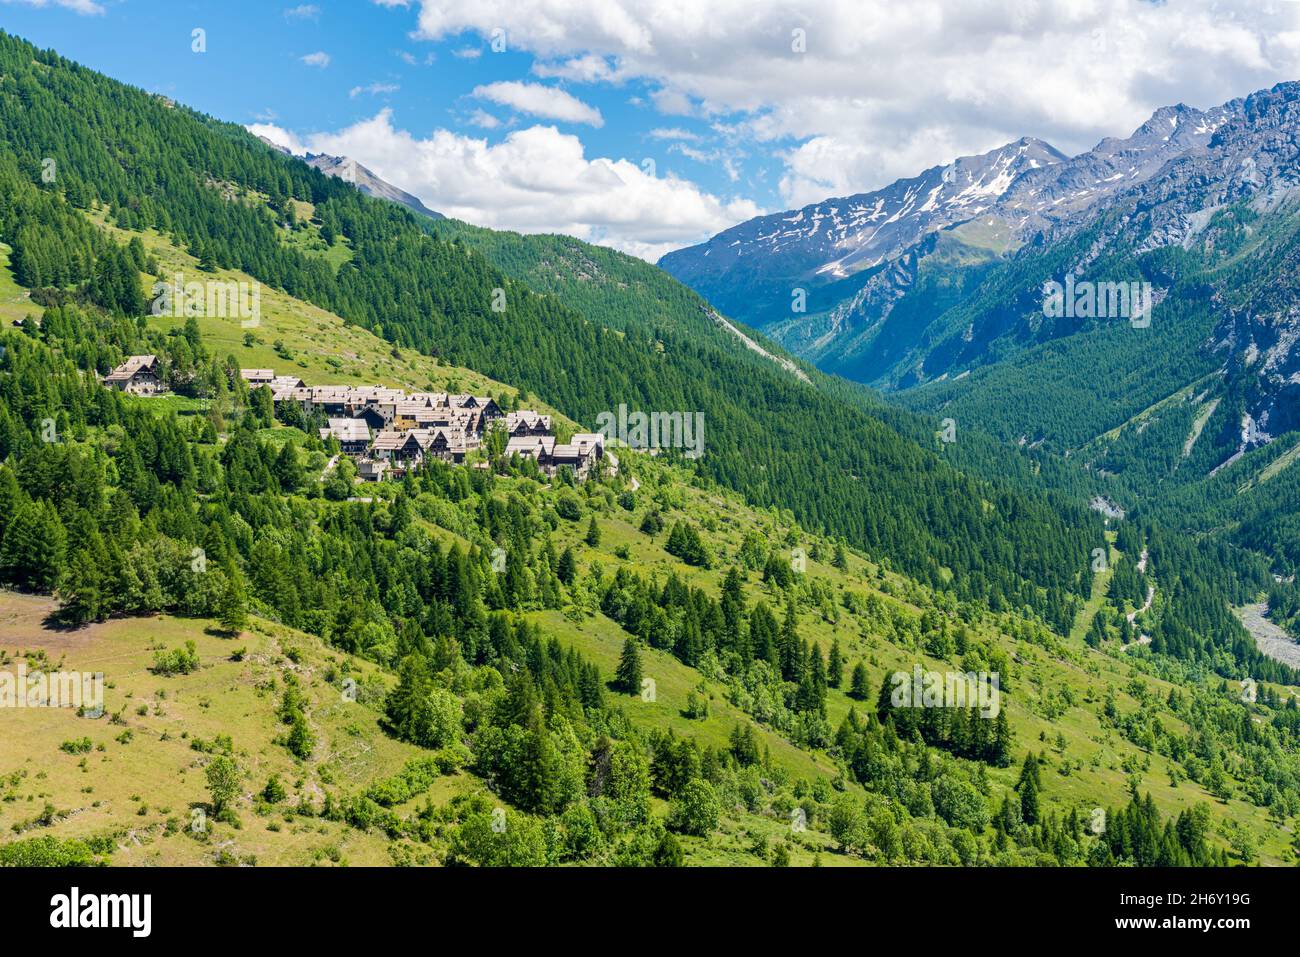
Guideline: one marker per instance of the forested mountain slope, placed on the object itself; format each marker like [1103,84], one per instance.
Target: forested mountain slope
[367,684]
[451,668]
[1189,420]
[223,195]
[1192,419]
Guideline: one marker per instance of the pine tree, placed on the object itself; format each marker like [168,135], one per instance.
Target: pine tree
[567,570]
[208,259]
[628,676]
[817,677]
[80,589]
[791,658]
[1096,631]
[1028,788]
[860,683]
[287,469]
[593,533]
[534,772]
[232,610]
[841,557]
[1000,748]
[732,604]
[835,667]
[34,547]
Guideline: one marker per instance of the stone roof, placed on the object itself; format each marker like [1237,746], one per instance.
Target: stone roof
[128,369]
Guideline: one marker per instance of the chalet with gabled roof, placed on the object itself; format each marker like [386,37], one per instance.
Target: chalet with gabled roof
[447,444]
[257,377]
[581,453]
[353,435]
[401,449]
[138,375]
[527,422]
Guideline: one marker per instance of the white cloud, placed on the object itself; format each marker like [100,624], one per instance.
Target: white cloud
[712,157]
[305,11]
[318,59]
[279,136]
[484,120]
[536,180]
[86,8]
[374,89]
[583,69]
[537,100]
[886,88]
[673,133]
[672,102]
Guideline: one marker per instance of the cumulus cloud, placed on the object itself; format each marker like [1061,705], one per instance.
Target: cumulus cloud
[537,100]
[318,59]
[536,180]
[304,11]
[872,90]
[483,120]
[583,69]
[279,136]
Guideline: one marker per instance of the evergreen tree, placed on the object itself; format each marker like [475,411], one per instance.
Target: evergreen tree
[1000,749]
[628,676]
[841,557]
[668,852]
[232,611]
[835,667]
[567,570]
[1028,788]
[791,650]
[860,683]
[288,469]
[34,546]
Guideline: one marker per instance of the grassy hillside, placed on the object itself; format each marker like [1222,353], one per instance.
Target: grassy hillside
[317,346]
[140,788]
[680,663]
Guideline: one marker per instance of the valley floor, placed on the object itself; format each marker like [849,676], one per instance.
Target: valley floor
[1271,639]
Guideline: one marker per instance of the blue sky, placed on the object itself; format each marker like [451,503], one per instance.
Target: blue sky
[651,124]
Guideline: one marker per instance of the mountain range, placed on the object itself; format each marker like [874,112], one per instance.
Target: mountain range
[670,661]
[857,257]
[932,288]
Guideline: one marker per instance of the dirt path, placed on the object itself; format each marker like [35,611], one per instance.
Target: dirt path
[1270,638]
[1151,594]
